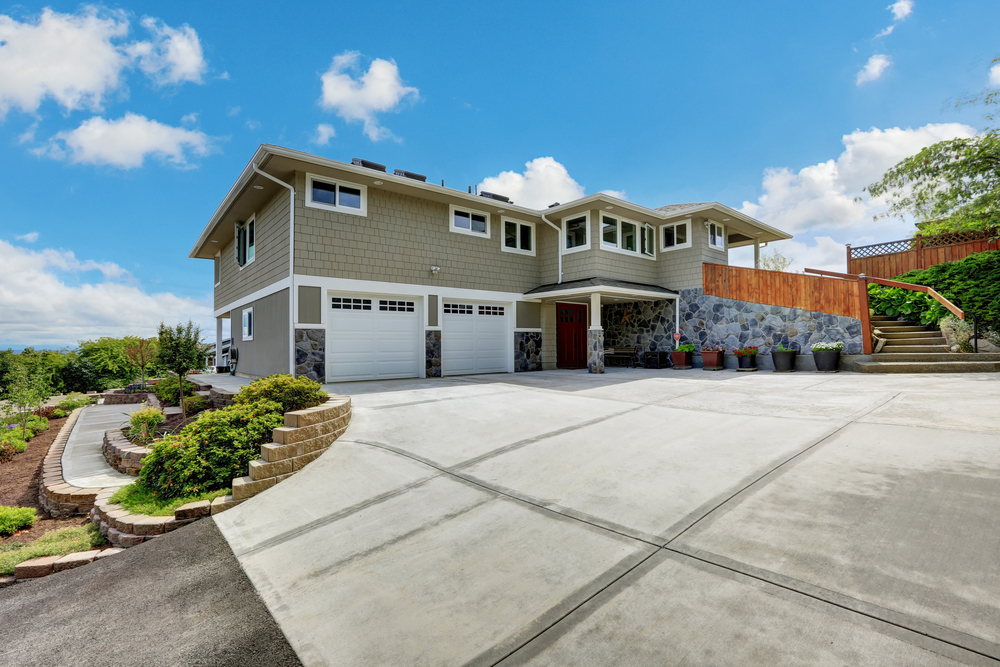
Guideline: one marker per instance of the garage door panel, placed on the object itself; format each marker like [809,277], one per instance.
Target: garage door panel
[474,339]
[374,344]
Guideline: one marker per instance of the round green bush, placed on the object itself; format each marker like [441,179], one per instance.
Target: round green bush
[166,390]
[291,393]
[209,453]
[58,413]
[13,519]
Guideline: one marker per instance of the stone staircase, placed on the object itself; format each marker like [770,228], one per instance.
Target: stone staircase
[913,348]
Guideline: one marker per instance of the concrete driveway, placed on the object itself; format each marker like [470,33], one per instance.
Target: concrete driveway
[642,518]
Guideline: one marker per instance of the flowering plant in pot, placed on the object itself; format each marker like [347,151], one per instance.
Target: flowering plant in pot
[712,356]
[682,356]
[784,359]
[827,356]
[747,358]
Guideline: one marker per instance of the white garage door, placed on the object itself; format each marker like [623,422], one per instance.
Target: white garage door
[473,338]
[372,338]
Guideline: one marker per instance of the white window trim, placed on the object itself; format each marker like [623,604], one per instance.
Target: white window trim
[721,248]
[586,244]
[218,256]
[681,246]
[503,233]
[362,212]
[643,229]
[253,219]
[243,322]
[459,230]
[640,229]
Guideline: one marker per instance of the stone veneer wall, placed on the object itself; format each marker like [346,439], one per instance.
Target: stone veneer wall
[595,350]
[310,354]
[649,325]
[527,351]
[432,353]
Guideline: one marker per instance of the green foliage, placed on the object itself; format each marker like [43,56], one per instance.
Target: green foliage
[25,394]
[58,413]
[686,347]
[139,500]
[81,375]
[53,543]
[291,393]
[900,302]
[144,422]
[781,348]
[142,354]
[208,453]
[13,519]
[180,350]
[166,390]
[195,404]
[76,400]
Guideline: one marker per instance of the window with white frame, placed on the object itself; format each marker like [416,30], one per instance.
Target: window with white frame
[218,268]
[716,235]
[627,236]
[518,237]
[576,232]
[335,195]
[675,235]
[248,323]
[468,221]
[246,242]
[648,240]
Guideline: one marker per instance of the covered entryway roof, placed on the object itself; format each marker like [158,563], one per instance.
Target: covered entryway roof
[609,289]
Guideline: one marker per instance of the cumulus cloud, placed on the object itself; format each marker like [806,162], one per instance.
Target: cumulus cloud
[543,182]
[68,57]
[995,75]
[324,133]
[47,300]
[125,143]
[174,56]
[887,31]
[31,237]
[190,118]
[380,89]
[874,68]
[901,9]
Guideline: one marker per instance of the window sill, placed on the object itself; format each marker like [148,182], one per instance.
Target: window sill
[628,253]
[581,248]
[469,232]
[518,251]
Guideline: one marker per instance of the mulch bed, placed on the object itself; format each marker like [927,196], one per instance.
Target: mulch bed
[19,486]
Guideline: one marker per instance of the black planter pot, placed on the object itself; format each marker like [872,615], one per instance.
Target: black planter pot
[827,361]
[748,363]
[784,362]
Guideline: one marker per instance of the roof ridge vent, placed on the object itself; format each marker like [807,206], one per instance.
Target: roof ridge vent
[410,174]
[491,195]
[367,164]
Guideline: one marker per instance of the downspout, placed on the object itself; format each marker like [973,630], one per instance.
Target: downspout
[677,319]
[291,266]
[559,242]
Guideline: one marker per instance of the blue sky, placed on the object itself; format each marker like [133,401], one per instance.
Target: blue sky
[125,124]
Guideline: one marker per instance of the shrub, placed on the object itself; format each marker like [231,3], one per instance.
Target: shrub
[208,453]
[13,519]
[144,422]
[686,347]
[58,413]
[75,400]
[291,393]
[7,451]
[80,375]
[195,404]
[166,390]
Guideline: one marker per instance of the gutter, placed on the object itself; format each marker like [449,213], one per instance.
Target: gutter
[559,243]
[291,266]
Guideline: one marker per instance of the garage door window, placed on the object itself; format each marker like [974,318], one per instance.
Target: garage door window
[491,310]
[340,303]
[396,306]
[458,308]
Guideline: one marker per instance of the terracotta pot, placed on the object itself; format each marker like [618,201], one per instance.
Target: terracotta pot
[712,359]
[681,359]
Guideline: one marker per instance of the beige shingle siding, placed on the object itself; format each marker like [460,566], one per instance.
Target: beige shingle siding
[681,269]
[270,255]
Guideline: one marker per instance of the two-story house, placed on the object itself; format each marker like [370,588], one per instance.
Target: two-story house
[347,272]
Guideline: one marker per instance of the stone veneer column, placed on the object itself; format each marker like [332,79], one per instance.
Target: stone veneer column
[595,337]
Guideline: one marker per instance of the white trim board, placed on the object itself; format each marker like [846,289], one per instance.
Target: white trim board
[273,288]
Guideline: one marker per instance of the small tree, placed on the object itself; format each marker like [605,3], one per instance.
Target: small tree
[180,352]
[26,394]
[142,354]
[775,261]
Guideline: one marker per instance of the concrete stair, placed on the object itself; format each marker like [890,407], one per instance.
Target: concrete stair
[912,348]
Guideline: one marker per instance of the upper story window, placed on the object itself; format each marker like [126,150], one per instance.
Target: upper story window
[246,242]
[676,235]
[716,235]
[576,232]
[336,195]
[518,237]
[626,236]
[467,221]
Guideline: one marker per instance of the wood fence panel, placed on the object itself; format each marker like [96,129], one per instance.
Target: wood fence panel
[788,290]
[894,258]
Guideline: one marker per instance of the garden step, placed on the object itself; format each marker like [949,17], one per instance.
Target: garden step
[934,356]
[896,323]
[901,329]
[913,349]
[36,567]
[911,335]
[77,559]
[929,367]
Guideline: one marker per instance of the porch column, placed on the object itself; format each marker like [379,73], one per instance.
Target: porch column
[218,341]
[595,337]
[756,253]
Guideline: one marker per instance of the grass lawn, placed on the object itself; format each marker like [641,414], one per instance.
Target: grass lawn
[54,543]
[136,499]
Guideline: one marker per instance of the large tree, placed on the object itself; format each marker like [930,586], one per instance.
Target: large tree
[180,352]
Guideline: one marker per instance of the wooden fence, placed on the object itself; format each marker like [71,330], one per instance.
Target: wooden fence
[894,258]
[790,290]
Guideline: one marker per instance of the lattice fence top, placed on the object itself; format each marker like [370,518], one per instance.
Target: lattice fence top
[883,248]
[955,238]
[934,241]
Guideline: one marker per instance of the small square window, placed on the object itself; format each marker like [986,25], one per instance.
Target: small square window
[675,236]
[465,221]
[518,237]
[350,197]
[334,195]
[577,237]
[609,232]
[628,236]
[324,193]
[716,235]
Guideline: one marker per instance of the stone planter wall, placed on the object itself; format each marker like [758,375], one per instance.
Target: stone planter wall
[57,497]
[121,454]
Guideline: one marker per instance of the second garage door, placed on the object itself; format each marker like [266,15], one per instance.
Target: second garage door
[372,338]
[474,338]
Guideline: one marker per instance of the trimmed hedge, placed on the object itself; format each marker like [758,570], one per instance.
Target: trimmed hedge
[291,393]
[13,519]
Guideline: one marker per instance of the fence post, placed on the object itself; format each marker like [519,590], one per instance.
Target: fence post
[848,269]
[920,252]
[866,320]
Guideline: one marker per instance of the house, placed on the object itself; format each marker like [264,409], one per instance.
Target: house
[218,359]
[342,271]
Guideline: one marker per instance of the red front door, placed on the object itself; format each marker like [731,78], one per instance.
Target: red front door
[571,335]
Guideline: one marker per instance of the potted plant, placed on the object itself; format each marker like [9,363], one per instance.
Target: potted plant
[827,356]
[682,355]
[784,359]
[712,356]
[747,358]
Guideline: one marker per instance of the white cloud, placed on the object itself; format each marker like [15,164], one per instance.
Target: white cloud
[543,182]
[874,68]
[995,75]
[252,125]
[125,143]
[886,32]
[45,302]
[380,89]
[324,133]
[617,194]
[30,237]
[70,58]
[190,118]
[901,9]
[174,56]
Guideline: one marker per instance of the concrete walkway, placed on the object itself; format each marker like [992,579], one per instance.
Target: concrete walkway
[642,517]
[83,464]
